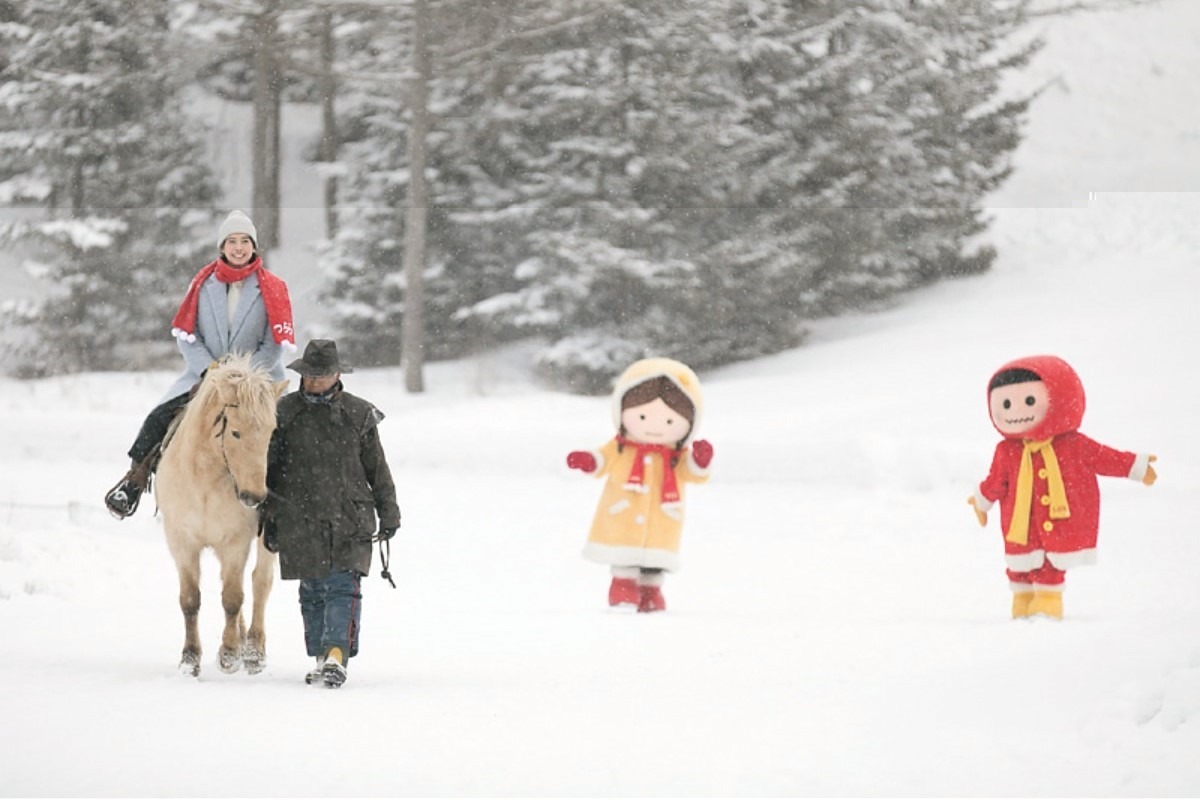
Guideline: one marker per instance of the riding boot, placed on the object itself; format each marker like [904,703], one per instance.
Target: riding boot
[122,500]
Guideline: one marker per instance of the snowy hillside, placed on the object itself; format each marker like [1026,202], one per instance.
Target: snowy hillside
[840,626]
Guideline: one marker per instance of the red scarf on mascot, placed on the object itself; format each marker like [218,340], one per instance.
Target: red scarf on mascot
[637,476]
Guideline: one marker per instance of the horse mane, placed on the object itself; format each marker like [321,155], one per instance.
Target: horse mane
[251,388]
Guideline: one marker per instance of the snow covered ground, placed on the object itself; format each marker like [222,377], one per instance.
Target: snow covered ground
[841,623]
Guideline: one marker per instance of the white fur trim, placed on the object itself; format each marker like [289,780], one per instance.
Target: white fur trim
[288,346]
[629,573]
[673,510]
[1138,471]
[596,454]
[1020,588]
[1048,587]
[1078,558]
[1025,562]
[982,503]
[696,468]
[631,556]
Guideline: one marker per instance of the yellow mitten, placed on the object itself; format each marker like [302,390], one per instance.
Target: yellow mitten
[1151,476]
[979,515]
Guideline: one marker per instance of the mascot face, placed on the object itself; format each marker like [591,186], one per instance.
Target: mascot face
[654,423]
[1035,398]
[1019,407]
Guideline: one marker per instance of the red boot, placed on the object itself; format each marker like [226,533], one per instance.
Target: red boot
[623,592]
[652,599]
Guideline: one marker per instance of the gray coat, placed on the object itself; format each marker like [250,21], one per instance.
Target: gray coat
[329,480]
[215,337]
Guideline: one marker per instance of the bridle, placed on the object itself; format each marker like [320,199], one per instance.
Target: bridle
[222,420]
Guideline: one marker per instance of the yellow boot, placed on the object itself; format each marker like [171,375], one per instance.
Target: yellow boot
[1048,604]
[1020,605]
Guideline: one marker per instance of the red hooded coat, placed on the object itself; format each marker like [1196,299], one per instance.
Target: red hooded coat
[1066,542]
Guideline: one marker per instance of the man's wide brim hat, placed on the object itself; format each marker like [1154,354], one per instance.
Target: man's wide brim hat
[320,359]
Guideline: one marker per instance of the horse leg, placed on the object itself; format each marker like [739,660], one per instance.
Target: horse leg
[188,565]
[255,652]
[233,572]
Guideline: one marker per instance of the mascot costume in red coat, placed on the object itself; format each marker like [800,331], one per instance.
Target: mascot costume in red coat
[1044,477]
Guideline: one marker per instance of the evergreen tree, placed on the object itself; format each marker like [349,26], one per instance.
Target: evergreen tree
[103,146]
[872,134]
[599,127]
[695,180]
[365,260]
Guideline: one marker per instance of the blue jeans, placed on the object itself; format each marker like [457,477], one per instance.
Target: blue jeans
[332,610]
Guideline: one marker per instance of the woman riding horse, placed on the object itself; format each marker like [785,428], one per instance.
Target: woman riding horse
[233,305]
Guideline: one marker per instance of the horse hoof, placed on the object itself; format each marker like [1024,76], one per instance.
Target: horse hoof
[254,660]
[189,665]
[229,661]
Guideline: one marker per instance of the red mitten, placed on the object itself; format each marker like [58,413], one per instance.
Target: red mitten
[581,460]
[702,452]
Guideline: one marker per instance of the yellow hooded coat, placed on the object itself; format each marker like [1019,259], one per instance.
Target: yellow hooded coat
[632,526]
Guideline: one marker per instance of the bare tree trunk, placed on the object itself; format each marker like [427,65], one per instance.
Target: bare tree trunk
[413,333]
[267,101]
[329,140]
[274,156]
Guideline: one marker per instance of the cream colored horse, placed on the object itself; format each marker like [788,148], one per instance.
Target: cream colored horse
[212,475]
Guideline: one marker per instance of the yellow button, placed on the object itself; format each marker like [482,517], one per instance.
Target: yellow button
[1045,499]
[1047,526]
[1041,473]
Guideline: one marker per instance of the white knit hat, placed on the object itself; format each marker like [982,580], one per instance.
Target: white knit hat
[236,222]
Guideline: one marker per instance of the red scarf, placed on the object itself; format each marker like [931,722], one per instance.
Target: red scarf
[637,476]
[274,294]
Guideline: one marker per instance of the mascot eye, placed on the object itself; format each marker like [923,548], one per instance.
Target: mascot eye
[236,434]
[1031,400]
[1007,404]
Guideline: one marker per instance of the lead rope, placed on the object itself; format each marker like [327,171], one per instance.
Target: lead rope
[385,552]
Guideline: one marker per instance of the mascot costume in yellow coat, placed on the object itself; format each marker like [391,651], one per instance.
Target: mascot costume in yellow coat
[656,405]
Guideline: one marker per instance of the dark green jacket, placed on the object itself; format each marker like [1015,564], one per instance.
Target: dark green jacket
[329,479]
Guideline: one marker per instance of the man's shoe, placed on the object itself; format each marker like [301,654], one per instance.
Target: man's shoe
[333,671]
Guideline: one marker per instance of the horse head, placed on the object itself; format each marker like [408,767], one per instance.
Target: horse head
[244,399]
